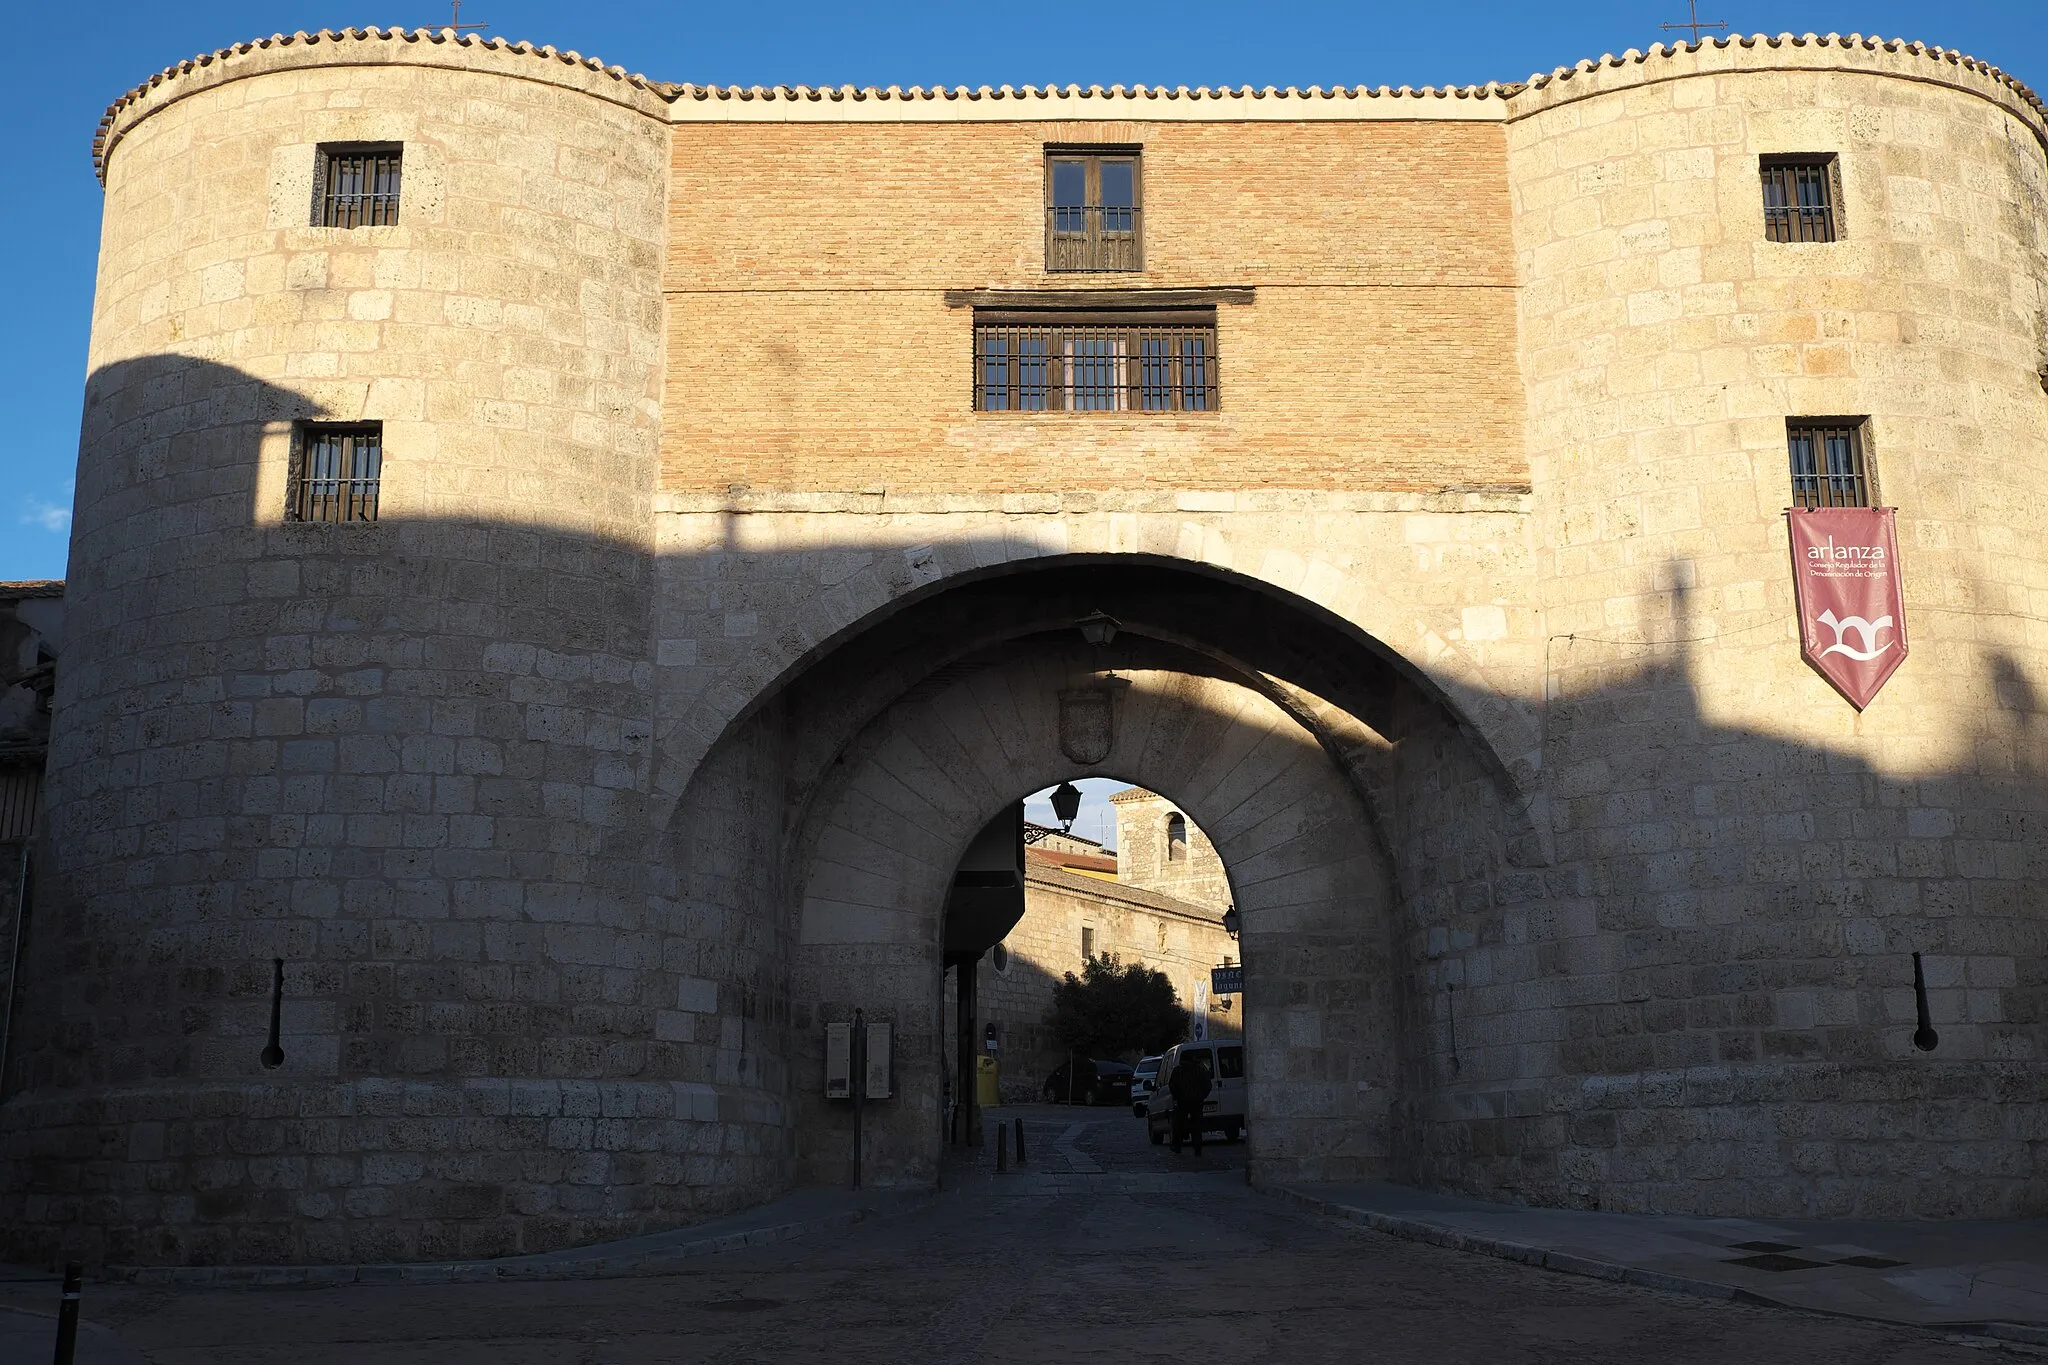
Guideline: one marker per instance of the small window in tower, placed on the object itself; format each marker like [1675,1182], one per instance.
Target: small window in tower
[355,184]
[1176,839]
[1092,210]
[1800,194]
[1087,942]
[336,470]
[1829,468]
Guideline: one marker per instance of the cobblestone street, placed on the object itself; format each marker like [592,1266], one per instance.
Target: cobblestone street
[1103,1248]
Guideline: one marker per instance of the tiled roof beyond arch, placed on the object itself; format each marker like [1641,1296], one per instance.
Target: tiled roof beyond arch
[673,94]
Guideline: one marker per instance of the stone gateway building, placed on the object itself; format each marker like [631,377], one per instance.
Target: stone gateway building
[564,565]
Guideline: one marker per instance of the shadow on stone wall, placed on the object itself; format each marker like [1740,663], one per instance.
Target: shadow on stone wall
[418,761]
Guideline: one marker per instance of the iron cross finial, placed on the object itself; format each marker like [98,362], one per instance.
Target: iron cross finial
[455,20]
[1696,23]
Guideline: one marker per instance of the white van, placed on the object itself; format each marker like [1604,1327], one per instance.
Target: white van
[1223,1111]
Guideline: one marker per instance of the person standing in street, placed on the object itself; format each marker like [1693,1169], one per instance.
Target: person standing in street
[1189,1086]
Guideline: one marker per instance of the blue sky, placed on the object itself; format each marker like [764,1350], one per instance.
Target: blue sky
[70,68]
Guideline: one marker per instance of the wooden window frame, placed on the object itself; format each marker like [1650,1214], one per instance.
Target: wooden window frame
[1097,247]
[1152,362]
[356,493]
[1794,222]
[368,207]
[1815,486]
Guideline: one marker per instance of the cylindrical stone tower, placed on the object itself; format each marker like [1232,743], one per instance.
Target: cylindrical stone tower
[1759,862]
[406,756]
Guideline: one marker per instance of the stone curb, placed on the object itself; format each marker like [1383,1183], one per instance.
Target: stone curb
[1438,1234]
[588,1264]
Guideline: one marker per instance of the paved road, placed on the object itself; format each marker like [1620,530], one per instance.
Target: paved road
[1106,1249]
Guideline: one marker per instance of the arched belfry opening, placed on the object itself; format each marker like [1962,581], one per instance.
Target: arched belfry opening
[1354,811]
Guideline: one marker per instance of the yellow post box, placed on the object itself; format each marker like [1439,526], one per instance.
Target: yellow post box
[986,1091]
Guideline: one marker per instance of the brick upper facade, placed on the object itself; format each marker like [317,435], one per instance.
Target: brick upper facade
[808,265]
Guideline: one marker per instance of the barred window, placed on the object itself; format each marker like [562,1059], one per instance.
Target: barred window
[1799,198]
[1095,362]
[1828,467]
[355,184]
[1092,210]
[337,472]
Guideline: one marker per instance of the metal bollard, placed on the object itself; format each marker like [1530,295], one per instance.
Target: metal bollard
[1002,1146]
[1020,1140]
[67,1313]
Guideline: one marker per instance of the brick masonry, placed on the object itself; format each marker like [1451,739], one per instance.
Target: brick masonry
[1463,628]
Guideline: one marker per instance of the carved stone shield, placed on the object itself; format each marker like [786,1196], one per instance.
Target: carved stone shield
[1087,724]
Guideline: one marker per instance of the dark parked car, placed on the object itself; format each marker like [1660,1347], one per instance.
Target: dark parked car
[1093,1082]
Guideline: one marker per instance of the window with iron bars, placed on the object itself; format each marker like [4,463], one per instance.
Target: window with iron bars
[1800,193]
[1093,215]
[1828,464]
[356,185]
[1094,362]
[337,471]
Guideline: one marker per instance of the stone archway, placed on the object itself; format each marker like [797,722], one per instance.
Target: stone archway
[813,846]
[1316,894]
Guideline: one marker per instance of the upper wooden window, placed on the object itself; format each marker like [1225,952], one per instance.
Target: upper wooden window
[1094,213]
[1058,361]
[337,471]
[1800,198]
[355,184]
[1829,468]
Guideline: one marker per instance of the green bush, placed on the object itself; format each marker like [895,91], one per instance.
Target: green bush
[1116,1011]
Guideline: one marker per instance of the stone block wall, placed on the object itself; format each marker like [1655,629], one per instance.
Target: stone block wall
[1748,863]
[408,757]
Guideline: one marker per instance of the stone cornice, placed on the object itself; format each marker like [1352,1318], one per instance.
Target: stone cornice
[782,103]
[674,103]
[1087,103]
[373,46]
[1785,52]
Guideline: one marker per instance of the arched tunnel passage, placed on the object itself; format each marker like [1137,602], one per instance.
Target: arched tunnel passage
[1354,808]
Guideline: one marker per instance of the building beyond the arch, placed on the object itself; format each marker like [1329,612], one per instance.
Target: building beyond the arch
[540,531]
[1125,901]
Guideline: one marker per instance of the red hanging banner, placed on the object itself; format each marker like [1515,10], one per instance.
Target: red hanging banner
[1852,611]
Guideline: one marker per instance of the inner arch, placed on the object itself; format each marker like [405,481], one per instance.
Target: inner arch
[1314,893]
